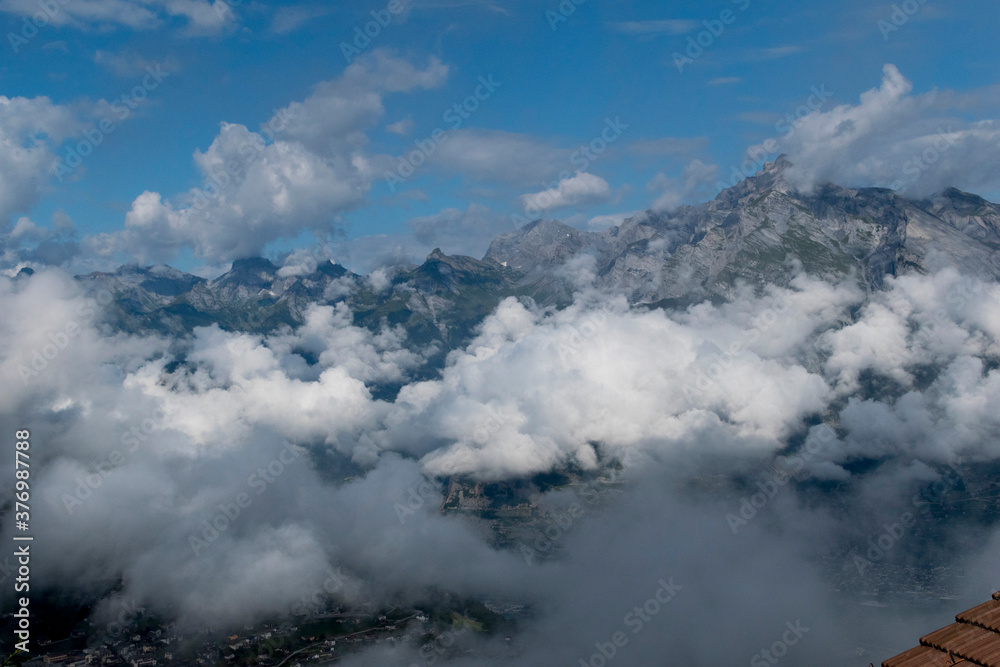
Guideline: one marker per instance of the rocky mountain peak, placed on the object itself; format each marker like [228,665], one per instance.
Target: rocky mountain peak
[538,246]
[252,265]
[779,166]
[771,178]
[247,278]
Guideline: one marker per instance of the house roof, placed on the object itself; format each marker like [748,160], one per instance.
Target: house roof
[974,639]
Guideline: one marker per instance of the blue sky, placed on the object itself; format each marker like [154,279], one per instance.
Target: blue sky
[558,77]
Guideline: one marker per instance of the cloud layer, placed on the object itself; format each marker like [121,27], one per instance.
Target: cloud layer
[236,468]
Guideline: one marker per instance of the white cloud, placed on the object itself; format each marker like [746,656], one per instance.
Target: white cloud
[300,262]
[289,19]
[692,183]
[891,138]
[201,17]
[723,81]
[283,190]
[545,387]
[535,391]
[303,168]
[25,229]
[332,119]
[401,127]
[204,17]
[581,189]
[30,129]
[603,222]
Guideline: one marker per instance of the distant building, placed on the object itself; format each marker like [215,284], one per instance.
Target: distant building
[973,639]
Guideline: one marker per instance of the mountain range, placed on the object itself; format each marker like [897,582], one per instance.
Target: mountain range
[760,231]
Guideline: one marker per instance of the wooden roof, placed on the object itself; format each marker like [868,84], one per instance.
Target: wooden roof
[974,639]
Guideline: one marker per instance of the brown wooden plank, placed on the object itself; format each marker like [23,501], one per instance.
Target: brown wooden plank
[973,643]
[986,615]
[925,656]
